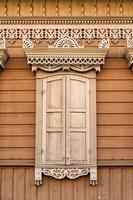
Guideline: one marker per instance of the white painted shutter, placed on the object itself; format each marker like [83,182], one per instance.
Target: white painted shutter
[77,120]
[53,143]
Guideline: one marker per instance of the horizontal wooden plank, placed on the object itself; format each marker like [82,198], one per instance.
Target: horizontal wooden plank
[114,96]
[14,129]
[17,118]
[17,153]
[115,130]
[116,163]
[114,85]
[17,96]
[115,63]
[115,119]
[16,64]
[17,74]
[115,154]
[116,51]
[115,74]
[17,162]
[115,142]
[16,52]
[16,141]
[17,85]
[114,107]
[17,107]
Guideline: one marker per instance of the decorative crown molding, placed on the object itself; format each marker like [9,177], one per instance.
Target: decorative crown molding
[23,20]
[53,28]
[3,58]
[77,59]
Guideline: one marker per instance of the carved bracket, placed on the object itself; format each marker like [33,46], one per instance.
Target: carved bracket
[129,57]
[60,173]
[3,58]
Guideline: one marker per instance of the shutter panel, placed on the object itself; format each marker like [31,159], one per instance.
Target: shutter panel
[54,120]
[77,120]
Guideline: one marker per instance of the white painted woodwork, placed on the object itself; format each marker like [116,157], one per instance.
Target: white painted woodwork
[66,125]
[77,120]
[66,129]
[54,120]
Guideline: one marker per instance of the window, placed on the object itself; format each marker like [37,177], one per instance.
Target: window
[66,125]
[66,109]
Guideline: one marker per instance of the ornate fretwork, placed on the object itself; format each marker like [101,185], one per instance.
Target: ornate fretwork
[66,42]
[130,42]
[60,173]
[3,57]
[129,56]
[104,43]
[52,29]
[2,43]
[53,34]
[77,59]
[27,43]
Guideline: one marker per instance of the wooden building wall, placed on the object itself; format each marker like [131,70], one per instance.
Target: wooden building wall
[114,113]
[114,137]
[18,184]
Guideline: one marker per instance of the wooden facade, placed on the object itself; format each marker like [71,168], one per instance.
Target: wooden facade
[114,113]
[114,93]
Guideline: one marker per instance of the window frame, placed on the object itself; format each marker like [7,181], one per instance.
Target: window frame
[41,168]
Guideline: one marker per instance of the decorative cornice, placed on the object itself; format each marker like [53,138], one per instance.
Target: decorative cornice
[77,59]
[64,20]
[3,58]
[53,28]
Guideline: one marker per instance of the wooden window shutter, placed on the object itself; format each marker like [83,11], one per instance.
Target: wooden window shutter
[53,120]
[77,120]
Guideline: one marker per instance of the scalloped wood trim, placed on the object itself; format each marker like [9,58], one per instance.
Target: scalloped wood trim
[77,59]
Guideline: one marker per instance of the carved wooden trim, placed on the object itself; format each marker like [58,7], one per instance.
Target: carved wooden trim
[60,173]
[57,170]
[3,58]
[67,20]
[129,57]
[53,28]
[77,59]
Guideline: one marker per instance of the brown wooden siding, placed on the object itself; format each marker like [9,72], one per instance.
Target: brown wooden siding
[17,113]
[114,113]
[113,184]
